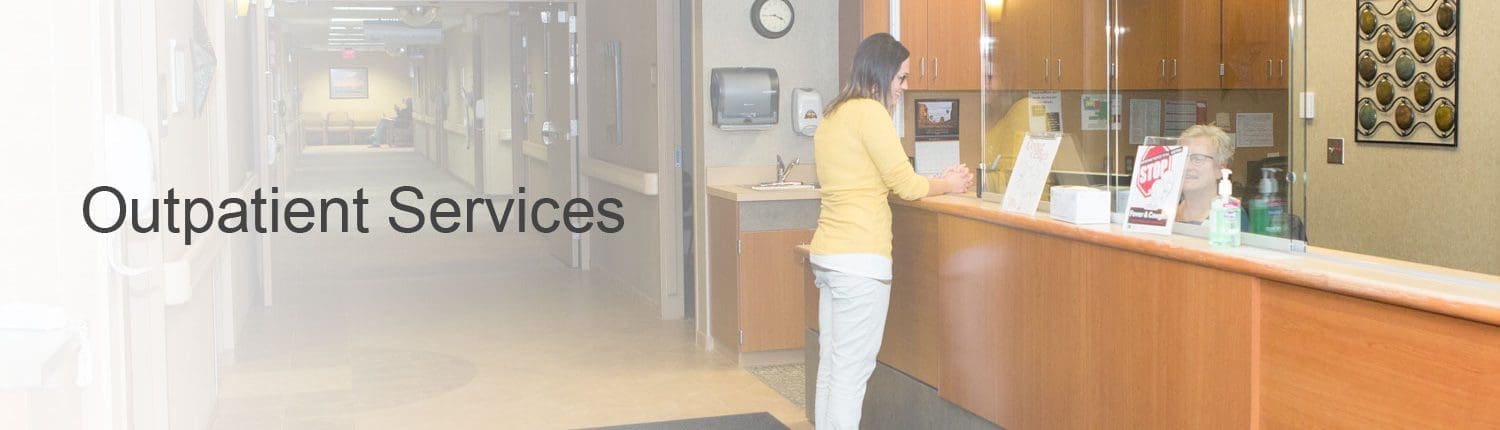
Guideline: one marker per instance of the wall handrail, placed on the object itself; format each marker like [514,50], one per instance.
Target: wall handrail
[631,179]
[534,150]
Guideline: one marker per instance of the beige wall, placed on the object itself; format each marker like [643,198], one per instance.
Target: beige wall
[805,57]
[459,47]
[430,86]
[499,159]
[390,82]
[1423,204]
[629,254]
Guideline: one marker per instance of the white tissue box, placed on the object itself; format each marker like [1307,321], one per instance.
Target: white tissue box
[1080,205]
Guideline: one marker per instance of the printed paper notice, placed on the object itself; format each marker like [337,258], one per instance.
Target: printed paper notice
[1154,189]
[1024,191]
[1046,111]
[1100,113]
[933,157]
[1180,114]
[1145,120]
[1254,130]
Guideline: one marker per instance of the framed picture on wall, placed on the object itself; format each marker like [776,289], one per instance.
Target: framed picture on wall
[348,83]
[937,119]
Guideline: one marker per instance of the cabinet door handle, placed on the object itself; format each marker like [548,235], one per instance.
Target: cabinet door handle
[923,64]
[1269,63]
[1174,68]
[1046,69]
[935,70]
[1059,68]
[1162,73]
[1283,68]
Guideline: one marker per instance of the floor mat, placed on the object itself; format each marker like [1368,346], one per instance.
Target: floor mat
[789,380]
[755,421]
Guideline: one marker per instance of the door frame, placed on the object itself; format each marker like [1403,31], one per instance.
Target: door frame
[673,125]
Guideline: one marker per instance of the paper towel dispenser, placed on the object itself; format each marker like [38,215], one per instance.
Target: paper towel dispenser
[745,98]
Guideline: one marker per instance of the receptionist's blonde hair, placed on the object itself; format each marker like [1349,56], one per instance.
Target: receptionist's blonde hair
[1223,145]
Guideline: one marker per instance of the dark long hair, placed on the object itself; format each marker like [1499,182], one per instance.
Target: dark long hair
[876,63]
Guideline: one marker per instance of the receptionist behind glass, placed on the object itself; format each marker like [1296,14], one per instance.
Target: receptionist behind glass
[1209,150]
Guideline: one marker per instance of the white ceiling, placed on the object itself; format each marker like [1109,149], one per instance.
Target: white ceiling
[311,23]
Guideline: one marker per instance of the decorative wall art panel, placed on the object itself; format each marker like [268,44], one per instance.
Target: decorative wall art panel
[1406,81]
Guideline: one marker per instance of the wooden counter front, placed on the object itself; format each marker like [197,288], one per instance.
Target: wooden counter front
[1034,324]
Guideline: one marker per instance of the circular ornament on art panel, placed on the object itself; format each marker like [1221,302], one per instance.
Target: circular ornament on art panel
[1444,117]
[1422,92]
[1446,68]
[1385,92]
[1385,44]
[1406,117]
[1406,68]
[1369,116]
[1406,19]
[1424,43]
[1447,16]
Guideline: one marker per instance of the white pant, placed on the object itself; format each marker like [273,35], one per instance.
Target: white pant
[851,323]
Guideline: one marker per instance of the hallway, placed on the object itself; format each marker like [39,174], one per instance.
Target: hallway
[470,330]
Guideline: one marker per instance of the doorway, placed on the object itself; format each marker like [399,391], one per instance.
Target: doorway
[546,93]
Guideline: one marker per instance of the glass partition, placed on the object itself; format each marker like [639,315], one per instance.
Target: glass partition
[1108,74]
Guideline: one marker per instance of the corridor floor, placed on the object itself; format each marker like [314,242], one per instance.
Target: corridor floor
[458,331]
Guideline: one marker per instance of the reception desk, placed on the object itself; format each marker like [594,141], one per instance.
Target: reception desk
[1029,323]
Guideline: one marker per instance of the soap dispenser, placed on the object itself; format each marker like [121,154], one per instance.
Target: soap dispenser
[1224,217]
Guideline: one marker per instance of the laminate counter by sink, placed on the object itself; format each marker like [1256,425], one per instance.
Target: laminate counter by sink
[743,193]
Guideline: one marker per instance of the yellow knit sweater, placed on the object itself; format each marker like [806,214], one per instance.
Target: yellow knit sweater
[860,161]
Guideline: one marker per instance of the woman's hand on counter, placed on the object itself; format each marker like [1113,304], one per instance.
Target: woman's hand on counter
[955,179]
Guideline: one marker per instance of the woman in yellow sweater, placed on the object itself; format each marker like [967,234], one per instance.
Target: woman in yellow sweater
[860,161]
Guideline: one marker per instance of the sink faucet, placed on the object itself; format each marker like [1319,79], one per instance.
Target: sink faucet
[783,169]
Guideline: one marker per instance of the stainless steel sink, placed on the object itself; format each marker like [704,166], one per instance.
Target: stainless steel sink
[781,186]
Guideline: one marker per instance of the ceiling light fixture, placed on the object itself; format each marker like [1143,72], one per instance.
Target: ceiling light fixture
[365,8]
[361,19]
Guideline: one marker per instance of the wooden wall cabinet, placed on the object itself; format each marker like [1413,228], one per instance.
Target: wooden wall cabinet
[1056,44]
[1255,44]
[943,37]
[1060,44]
[1170,44]
[757,300]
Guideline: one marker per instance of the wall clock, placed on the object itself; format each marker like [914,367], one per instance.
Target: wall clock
[772,18]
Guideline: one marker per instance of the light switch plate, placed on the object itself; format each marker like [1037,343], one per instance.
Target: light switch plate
[1308,106]
[1335,150]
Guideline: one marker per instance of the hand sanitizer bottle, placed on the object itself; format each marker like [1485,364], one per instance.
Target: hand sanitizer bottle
[1224,217]
[1267,210]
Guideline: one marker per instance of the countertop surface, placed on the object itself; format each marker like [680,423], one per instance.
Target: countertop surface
[1457,293]
[743,193]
